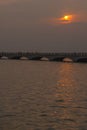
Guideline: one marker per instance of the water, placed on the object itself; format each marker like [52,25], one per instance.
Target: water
[39,95]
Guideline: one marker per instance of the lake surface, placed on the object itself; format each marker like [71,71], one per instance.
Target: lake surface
[43,95]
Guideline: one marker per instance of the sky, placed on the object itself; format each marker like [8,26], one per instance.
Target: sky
[40,26]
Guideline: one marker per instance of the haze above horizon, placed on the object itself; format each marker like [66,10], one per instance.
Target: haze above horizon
[43,25]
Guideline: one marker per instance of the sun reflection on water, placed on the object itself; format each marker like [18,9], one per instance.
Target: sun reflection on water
[66,83]
[65,95]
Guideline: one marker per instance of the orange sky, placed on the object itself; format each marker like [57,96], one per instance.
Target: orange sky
[72,18]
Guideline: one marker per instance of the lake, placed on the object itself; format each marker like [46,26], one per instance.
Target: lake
[43,95]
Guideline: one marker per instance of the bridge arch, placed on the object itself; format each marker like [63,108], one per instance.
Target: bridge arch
[23,58]
[82,60]
[34,57]
[62,59]
[4,57]
[66,59]
[56,59]
[14,57]
[44,59]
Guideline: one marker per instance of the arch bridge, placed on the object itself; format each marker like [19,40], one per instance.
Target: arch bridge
[75,57]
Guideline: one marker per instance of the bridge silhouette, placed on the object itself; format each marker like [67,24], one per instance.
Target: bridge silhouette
[75,57]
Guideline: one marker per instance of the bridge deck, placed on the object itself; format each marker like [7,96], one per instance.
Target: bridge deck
[75,57]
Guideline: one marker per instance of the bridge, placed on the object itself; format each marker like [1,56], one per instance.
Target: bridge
[75,57]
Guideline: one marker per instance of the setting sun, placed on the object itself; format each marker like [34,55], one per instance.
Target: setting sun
[66,19]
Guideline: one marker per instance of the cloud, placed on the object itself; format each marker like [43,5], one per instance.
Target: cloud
[76,18]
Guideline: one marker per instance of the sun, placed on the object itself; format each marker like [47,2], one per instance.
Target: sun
[67,18]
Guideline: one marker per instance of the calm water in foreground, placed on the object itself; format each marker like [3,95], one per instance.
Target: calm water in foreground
[40,95]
